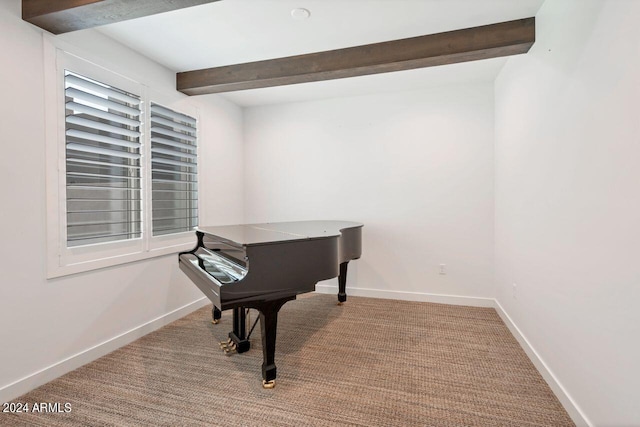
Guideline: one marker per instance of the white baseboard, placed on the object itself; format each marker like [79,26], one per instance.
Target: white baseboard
[572,408]
[43,376]
[409,296]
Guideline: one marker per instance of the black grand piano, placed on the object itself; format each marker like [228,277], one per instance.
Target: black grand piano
[262,266]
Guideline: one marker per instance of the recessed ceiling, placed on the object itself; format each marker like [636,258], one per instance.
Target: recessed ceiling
[237,31]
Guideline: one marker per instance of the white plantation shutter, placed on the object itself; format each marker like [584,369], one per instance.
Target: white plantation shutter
[103,182]
[174,183]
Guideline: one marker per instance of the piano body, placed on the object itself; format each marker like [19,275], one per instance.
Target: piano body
[262,266]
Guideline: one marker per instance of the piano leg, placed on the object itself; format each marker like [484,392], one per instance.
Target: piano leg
[268,326]
[215,315]
[239,334]
[342,283]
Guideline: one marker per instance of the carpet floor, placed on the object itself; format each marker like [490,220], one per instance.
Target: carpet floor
[369,362]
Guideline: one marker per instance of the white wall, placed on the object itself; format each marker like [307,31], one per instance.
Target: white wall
[415,167]
[45,322]
[568,201]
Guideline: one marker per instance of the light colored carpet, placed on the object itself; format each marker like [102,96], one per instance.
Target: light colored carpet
[370,362]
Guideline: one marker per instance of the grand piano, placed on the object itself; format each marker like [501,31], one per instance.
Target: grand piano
[262,266]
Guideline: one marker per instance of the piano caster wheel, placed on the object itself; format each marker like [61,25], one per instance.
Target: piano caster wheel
[268,384]
[215,321]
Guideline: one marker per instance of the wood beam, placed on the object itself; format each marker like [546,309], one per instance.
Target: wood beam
[62,16]
[488,41]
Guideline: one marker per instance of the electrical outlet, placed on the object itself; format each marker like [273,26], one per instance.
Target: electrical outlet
[442,269]
[514,288]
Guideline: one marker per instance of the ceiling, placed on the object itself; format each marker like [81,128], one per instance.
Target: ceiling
[236,31]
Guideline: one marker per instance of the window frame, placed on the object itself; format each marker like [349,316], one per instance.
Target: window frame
[61,259]
[168,241]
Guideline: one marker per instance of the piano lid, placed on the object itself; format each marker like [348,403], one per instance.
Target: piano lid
[277,232]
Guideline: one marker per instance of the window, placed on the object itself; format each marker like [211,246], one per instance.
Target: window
[103,181]
[122,168]
[174,171]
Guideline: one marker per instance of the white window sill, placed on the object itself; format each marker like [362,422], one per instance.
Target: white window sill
[60,269]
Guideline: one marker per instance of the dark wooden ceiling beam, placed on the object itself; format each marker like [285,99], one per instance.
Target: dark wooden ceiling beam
[63,16]
[488,41]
